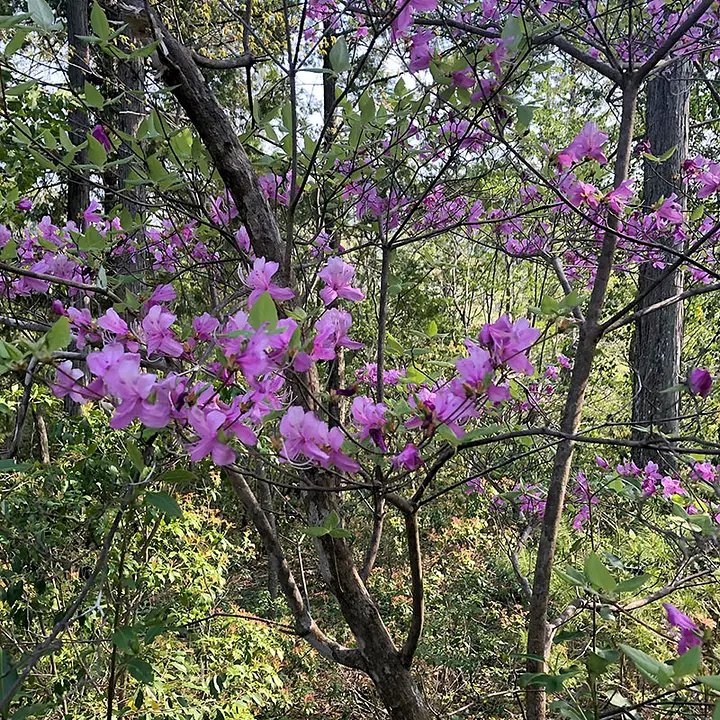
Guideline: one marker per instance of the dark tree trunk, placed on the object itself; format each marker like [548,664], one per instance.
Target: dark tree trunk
[125,79]
[399,692]
[78,194]
[657,343]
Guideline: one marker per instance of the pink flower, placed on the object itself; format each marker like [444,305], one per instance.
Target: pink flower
[628,468]
[586,144]
[243,239]
[668,213]
[114,324]
[24,205]
[705,471]
[671,486]
[161,294]
[649,486]
[370,417]
[508,342]
[90,214]
[98,132]
[82,321]
[342,462]
[66,382]
[404,18]
[477,369]
[259,279]
[688,629]
[464,78]
[420,51]
[601,462]
[617,198]
[302,434]
[337,276]
[409,458]
[332,330]
[207,425]
[700,382]
[158,335]
[222,209]
[204,326]
[127,383]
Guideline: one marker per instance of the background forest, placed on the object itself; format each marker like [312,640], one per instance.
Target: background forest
[358,359]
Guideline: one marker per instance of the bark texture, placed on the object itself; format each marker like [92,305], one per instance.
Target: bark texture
[78,194]
[538,646]
[179,70]
[657,342]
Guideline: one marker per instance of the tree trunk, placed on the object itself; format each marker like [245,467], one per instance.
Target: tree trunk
[657,343]
[125,78]
[78,195]
[539,640]
[398,691]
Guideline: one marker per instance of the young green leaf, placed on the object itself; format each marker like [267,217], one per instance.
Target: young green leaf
[167,504]
[688,663]
[339,56]
[598,574]
[263,311]
[142,671]
[651,669]
[41,13]
[59,335]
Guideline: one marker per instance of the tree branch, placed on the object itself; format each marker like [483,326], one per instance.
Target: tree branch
[305,626]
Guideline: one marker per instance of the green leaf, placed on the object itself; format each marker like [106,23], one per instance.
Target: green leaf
[144,51]
[41,13]
[8,21]
[8,675]
[91,240]
[634,583]
[367,108]
[341,533]
[97,154]
[331,521]
[263,311]
[125,639]
[570,301]
[33,710]
[165,503]
[698,212]
[315,531]
[99,22]
[712,681]
[688,663]
[432,329]
[134,455]
[14,44]
[525,115]
[142,671]
[598,574]
[21,89]
[179,475]
[650,668]
[93,97]
[9,252]
[59,335]
[598,662]
[339,56]
[572,576]
[393,346]
[10,466]
[667,155]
